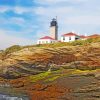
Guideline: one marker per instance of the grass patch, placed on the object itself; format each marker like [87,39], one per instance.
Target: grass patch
[82,71]
[50,76]
[52,79]
[40,76]
[61,44]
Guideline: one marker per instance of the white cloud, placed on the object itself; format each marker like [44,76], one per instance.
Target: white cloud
[66,15]
[48,11]
[7,40]
[17,20]
[84,13]
[3,9]
[48,1]
[94,20]
[51,2]
[20,10]
[16,9]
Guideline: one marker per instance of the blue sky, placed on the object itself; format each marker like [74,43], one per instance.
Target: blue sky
[24,21]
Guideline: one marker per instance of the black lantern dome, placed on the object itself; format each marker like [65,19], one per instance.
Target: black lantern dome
[53,22]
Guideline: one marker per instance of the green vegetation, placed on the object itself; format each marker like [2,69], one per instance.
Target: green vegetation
[9,50]
[79,42]
[12,49]
[40,76]
[85,42]
[52,45]
[15,48]
[61,44]
[52,79]
[52,76]
[46,76]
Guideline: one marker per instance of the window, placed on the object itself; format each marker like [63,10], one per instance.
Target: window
[69,38]
[63,38]
[39,42]
[43,42]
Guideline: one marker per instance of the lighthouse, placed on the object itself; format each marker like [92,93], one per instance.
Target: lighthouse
[54,29]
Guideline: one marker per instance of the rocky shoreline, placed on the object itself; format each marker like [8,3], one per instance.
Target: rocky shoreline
[57,85]
[52,73]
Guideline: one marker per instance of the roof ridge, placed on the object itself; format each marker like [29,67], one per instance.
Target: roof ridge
[47,37]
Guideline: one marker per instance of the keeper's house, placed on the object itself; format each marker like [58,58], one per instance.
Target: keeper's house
[69,37]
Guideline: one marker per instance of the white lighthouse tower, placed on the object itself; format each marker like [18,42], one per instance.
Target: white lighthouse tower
[54,29]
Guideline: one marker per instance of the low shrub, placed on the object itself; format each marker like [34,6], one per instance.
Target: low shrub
[12,49]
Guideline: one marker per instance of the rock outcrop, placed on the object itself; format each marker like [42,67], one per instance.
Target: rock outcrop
[33,60]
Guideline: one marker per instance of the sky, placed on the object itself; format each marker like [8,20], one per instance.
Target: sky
[22,22]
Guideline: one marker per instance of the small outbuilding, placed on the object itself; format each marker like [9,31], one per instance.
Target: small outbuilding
[46,40]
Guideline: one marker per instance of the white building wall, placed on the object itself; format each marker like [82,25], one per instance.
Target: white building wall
[67,38]
[45,41]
